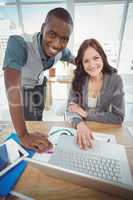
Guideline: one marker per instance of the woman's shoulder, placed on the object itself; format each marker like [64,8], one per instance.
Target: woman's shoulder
[113,77]
[114,81]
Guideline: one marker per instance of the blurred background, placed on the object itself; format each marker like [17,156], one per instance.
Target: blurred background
[110,22]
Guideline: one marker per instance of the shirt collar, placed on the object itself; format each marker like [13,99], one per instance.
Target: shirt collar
[39,42]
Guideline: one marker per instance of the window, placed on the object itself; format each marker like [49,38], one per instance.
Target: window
[8,26]
[34,16]
[126,59]
[99,21]
[42,1]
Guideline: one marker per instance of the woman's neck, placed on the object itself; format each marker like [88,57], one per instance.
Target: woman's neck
[97,78]
[95,85]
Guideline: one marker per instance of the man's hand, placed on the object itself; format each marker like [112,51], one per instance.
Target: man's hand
[37,141]
[84,136]
[73,107]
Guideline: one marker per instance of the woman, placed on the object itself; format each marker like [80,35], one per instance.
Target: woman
[96,93]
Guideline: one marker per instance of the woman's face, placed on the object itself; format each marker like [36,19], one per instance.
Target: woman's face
[92,62]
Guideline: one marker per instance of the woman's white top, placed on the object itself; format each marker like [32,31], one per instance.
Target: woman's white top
[92,102]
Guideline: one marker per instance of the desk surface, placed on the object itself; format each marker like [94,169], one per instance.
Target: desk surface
[34,183]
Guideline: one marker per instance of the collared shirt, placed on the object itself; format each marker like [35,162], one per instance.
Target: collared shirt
[16,53]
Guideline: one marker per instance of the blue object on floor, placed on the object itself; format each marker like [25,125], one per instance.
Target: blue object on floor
[8,180]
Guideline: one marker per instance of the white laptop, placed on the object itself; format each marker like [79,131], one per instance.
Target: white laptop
[104,167]
[11,153]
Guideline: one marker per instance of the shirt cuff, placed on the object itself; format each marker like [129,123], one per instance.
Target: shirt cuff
[76,121]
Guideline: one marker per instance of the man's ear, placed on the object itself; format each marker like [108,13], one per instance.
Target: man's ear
[42,27]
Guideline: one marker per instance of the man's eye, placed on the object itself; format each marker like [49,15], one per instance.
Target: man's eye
[65,40]
[52,34]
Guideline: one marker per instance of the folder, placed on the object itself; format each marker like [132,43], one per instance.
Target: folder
[8,180]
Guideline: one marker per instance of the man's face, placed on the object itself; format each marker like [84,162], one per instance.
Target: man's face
[56,33]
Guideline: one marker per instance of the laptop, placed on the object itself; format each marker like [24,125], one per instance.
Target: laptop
[104,167]
[11,153]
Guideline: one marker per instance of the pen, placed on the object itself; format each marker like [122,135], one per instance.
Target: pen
[50,151]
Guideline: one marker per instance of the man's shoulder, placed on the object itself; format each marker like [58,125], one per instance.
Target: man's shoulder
[66,50]
[67,55]
[16,43]
[16,52]
[16,40]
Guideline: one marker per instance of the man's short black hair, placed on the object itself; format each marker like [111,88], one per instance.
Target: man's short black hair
[60,13]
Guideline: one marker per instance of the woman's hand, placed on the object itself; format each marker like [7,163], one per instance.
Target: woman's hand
[84,136]
[73,107]
[37,141]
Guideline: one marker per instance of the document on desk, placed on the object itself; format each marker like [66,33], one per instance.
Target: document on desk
[42,157]
[55,132]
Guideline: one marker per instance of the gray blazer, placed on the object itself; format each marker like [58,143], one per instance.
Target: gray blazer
[110,107]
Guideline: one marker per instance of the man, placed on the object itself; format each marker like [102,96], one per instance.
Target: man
[24,66]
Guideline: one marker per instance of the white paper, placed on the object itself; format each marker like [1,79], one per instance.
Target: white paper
[98,137]
[42,157]
[54,138]
[106,138]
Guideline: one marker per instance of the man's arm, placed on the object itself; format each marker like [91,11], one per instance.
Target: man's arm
[35,141]
[68,56]
[12,79]
[72,60]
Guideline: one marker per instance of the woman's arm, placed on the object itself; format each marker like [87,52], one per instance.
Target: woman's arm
[73,117]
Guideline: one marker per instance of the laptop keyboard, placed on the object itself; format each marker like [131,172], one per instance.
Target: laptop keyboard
[88,164]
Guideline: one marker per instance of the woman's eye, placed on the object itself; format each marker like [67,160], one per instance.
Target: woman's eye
[64,40]
[96,58]
[85,61]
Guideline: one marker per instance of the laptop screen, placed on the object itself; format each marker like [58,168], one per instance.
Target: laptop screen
[11,154]
[4,160]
